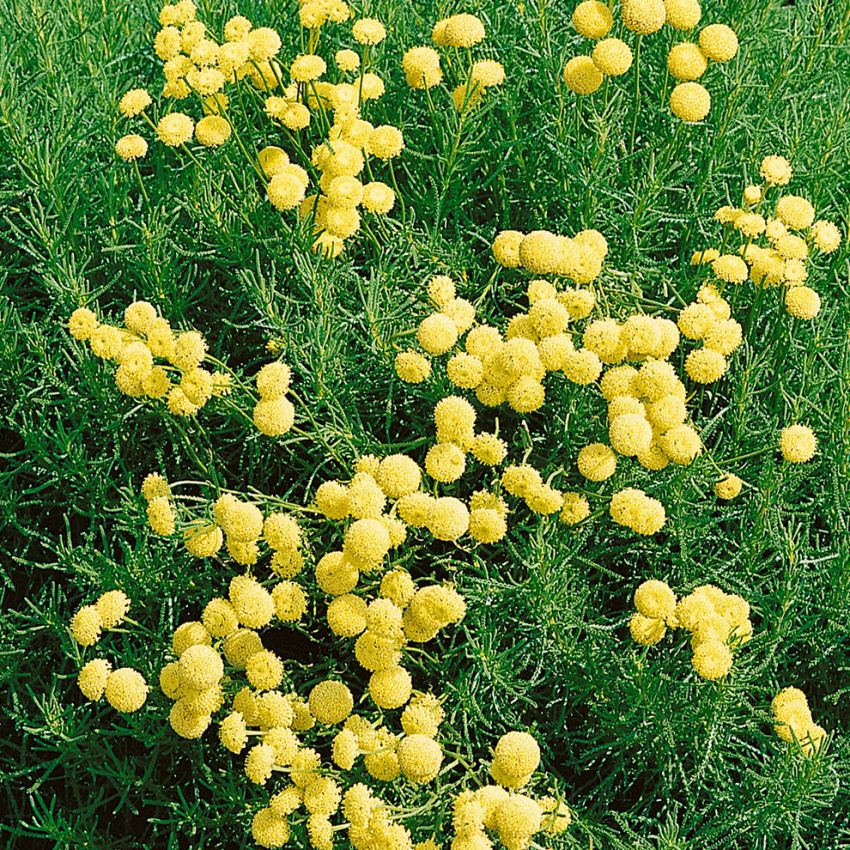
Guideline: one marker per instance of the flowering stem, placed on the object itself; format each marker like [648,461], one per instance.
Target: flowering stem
[636,104]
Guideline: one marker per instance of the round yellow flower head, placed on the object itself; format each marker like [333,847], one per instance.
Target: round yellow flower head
[575,508]
[683,14]
[704,366]
[826,236]
[655,599]
[131,147]
[112,607]
[612,57]
[487,525]
[263,44]
[461,31]
[390,688]
[798,443]
[802,302]
[421,66]
[647,631]
[448,518]
[630,434]
[274,418]
[252,603]
[583,77]
[686,61]
[347,615]
[690,102]
[126,690]
[212,131]
[486,73]
[264,670]
[307,67]
[597,462]
[718,42]
[643,16]
[134,102]
[730,268]
[368,31]
[728,487]
[540,250]
[712,659]
[330,702]
[506,250]
[592,19]
[86,625]
[82,323]
[191,633]
[219,618]
[233,732]
[237,28]
[515,758]
[637,511]
[175,129]
[776,170]
[203,539]
[347,60]
[201,667]
[419,758]
[795,212]
[385,142]
[437,334]
[517,818]
[92,678]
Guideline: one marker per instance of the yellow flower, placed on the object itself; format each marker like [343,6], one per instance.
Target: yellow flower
[683,14]
[175,129]
[776,170]
[134,102]
[126,690]
[419,758]
[712,659]
[369,31]
[582,77]
[646,631]
[307,67]
[212,131]
[718,42]
[592,19]
[802,302]
[330,702]
[795,212]
[826,235]
[459,31]
[728,487]
[686,61]
[597,462]
[612,56]
[798,443]
[643,16]
[690,102]
[92,678]
[421,66]
[347,60]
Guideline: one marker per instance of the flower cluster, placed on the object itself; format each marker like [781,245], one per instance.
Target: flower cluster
[380,611]
[708,319]
[146,337]
[179,379]
[686,62]
[794,722]
[199,65]
[423,70]
[719,623]
[513,817]
[125,689]
[107,612]
[777,240]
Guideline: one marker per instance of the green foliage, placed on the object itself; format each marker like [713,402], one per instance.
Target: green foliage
[648,756]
